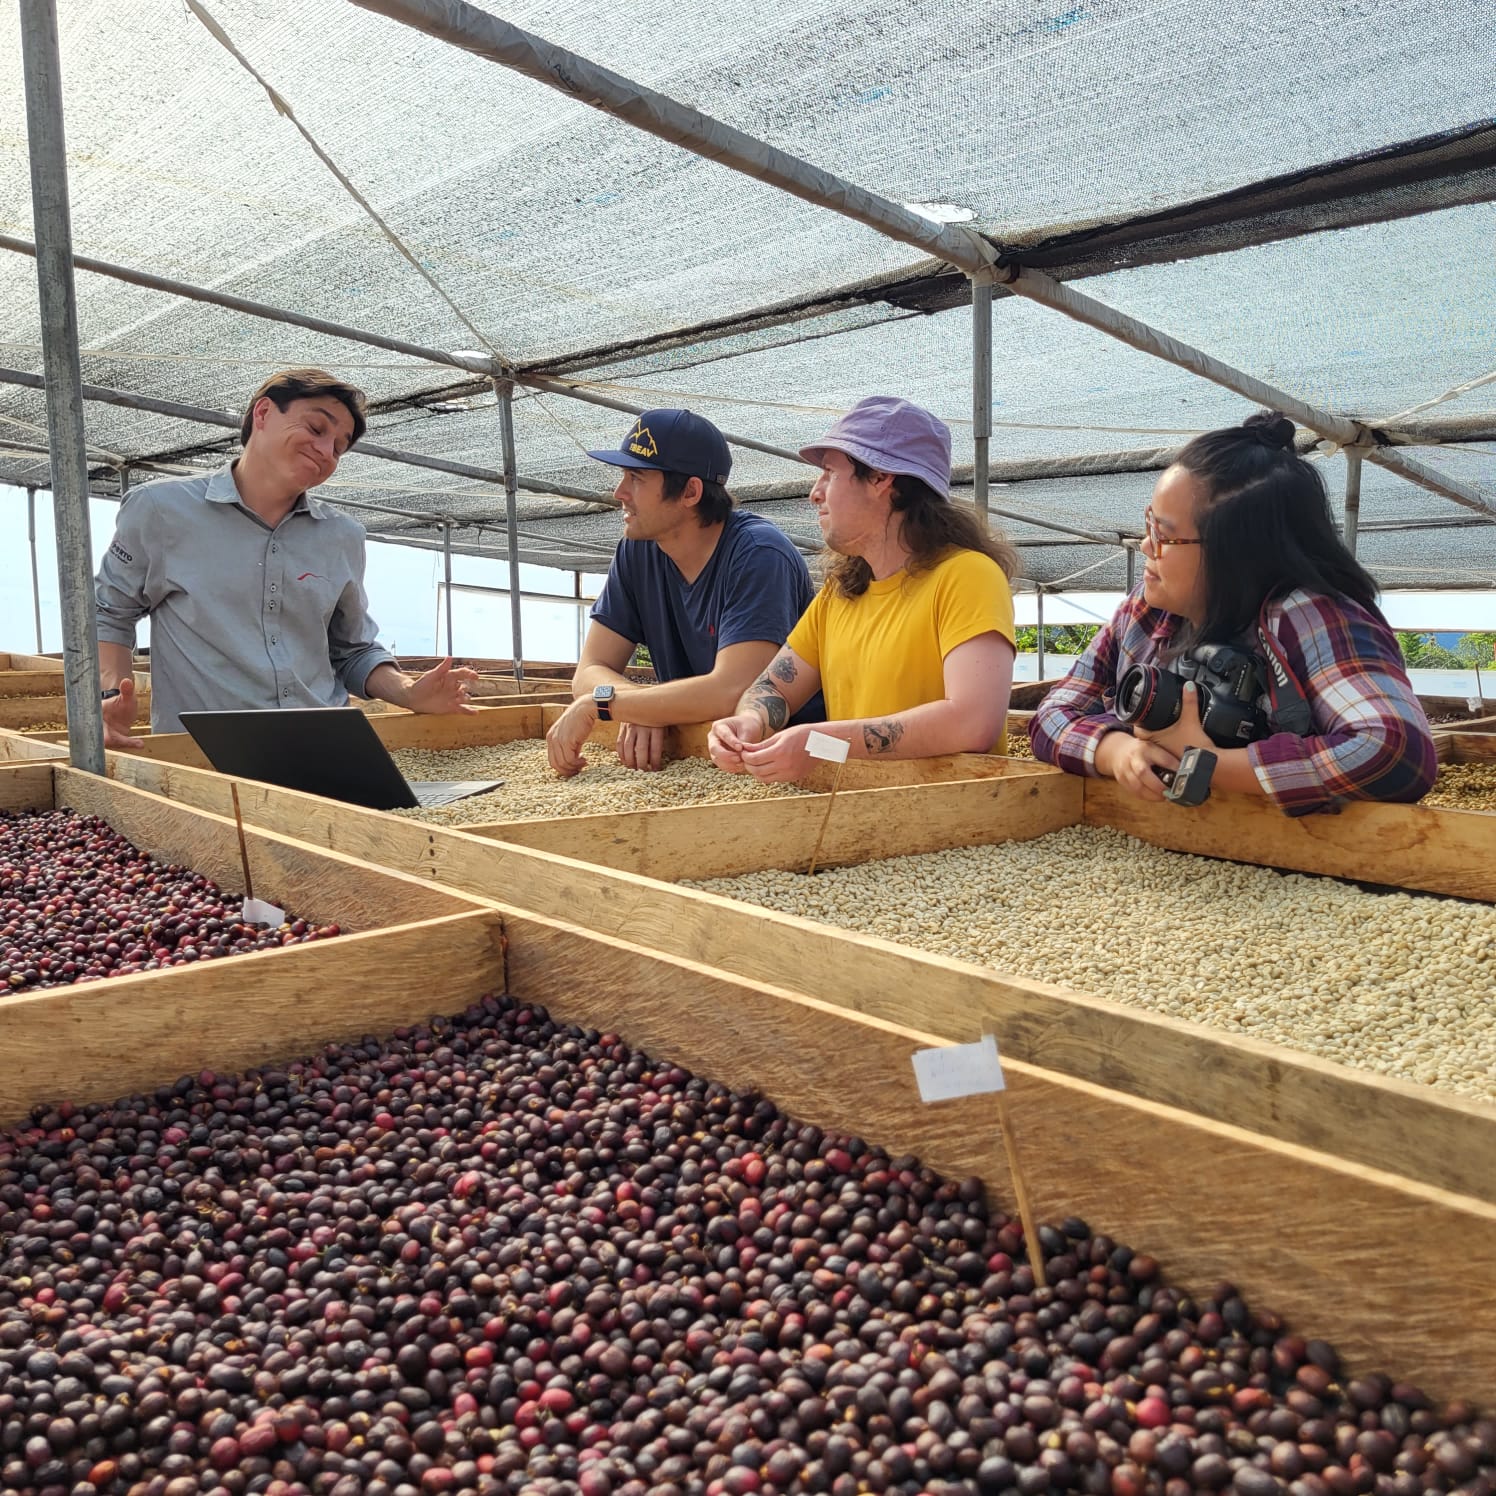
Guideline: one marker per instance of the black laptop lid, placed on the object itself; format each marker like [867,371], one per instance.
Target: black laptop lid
[330,751]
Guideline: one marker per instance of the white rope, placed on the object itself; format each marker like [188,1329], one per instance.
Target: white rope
[1452,394]
[283,107]
[1106,560]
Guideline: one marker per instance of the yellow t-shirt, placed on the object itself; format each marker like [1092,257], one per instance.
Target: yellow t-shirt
[884,652]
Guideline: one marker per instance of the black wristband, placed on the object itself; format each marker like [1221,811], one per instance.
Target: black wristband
[110,694]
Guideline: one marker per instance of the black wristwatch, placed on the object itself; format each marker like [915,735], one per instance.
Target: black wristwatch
[602,699]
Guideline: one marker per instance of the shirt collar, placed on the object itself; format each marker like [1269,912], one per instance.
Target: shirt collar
[223,490]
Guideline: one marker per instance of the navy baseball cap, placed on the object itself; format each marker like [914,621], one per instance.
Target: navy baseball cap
[673,441]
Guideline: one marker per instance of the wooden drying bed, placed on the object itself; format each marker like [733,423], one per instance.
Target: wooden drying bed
[1362,1207]
[98,1040]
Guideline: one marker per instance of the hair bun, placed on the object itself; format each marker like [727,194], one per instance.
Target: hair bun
[1272,428]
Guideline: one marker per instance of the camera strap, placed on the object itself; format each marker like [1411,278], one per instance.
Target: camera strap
[1289,706]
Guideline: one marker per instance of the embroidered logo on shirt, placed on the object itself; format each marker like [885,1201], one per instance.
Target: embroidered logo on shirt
[116,549]
[314,575]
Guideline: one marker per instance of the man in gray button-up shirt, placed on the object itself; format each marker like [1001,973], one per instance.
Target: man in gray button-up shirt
[254,590]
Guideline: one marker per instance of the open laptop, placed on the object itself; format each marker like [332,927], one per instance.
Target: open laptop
[331,751]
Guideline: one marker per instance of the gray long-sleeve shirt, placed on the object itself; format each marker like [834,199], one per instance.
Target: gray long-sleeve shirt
[242,616]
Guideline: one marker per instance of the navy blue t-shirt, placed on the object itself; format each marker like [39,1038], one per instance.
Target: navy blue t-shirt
[754,589]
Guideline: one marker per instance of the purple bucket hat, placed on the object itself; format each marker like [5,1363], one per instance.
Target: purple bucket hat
[893,436]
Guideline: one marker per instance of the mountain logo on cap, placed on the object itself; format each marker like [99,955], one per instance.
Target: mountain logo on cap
[641,443]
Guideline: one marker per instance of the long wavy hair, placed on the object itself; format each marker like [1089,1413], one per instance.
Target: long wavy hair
[929,528]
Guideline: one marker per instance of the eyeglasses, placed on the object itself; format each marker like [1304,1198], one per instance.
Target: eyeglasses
[1155,538]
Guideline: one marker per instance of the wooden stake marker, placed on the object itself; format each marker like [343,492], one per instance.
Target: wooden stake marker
[255,911]
[833,750]
[957,1070]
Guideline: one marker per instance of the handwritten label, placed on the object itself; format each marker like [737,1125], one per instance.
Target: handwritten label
[258,912]
[823,745]
[956,1070]
[1475,704]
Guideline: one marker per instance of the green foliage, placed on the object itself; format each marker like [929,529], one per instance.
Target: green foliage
[1063,638]
[641,658]
[1478,648]
[1423,652]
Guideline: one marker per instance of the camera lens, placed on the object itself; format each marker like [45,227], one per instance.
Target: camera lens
[1149,697]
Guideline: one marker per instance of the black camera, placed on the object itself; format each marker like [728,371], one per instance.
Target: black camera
[1189,784]
[1231,683]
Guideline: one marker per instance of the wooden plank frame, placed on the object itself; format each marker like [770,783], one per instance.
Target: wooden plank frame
[1467,746]
[97,1040]
[30,683]
[19,747]
[494,725]
[18,713]
[1437,1138]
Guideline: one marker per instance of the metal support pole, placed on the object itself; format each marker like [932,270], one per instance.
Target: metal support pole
[1352,498]
[1039,600]
[447,571]
[59,325]
[576,589]
[36,585]
[981,392]
[505,391]
[1132,567]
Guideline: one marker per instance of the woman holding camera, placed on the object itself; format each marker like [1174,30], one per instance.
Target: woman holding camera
[1240,550]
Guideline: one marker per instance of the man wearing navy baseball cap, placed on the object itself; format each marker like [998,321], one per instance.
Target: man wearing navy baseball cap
[911,638]
[710,590]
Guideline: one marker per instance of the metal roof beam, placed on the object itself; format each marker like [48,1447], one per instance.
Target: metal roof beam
[472,363]
[1035,286]
[128,400]
[487,36]
[1451,169]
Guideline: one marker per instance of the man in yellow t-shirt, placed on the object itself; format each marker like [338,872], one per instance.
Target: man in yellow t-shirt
[911,637]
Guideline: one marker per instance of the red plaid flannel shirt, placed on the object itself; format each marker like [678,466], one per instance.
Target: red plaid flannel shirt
[1371,739]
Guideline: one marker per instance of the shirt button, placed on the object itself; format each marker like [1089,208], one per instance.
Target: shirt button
[286,692]
[274,640]
[273,549]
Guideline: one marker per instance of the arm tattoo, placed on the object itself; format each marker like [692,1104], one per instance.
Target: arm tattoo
[782,667]
[765,696]
[880,737]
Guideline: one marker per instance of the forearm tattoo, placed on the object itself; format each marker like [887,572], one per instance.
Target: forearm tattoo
[783,667]
[764,695]
[880,737]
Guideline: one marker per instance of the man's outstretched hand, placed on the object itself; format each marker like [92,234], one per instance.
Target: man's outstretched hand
[119,716]
[443,689]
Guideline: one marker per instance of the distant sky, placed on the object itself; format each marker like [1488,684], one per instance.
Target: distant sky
[402,585]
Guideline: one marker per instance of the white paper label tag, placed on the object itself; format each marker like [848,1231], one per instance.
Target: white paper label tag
[823,745]
[956,1070]
[258,912]
[1474,703]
